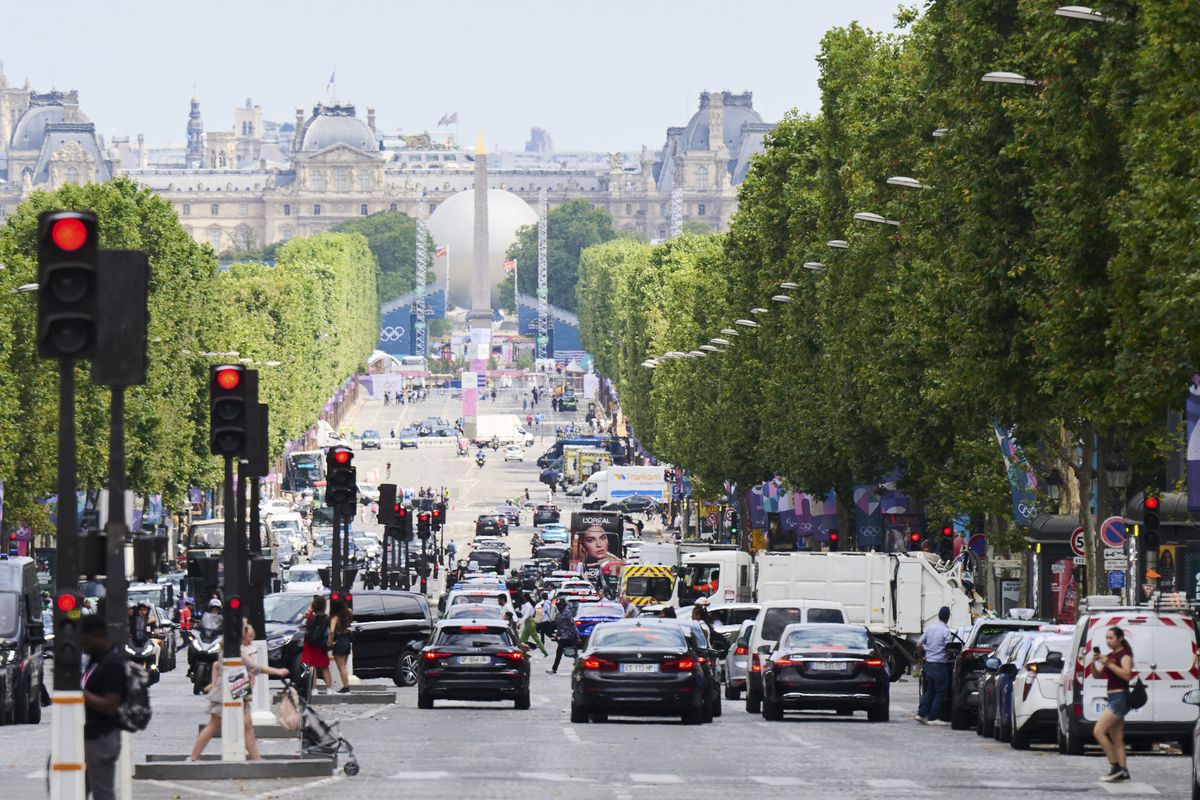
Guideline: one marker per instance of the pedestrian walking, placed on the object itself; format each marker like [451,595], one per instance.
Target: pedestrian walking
[185,615]
[315,651]
[502,599]
[566,634]
[531,619]
[451,552]
[340,640]
[103,690]
[1110,727]
[388,468]
[936,672]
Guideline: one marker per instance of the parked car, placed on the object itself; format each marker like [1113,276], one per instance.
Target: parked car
[1033,711]
[980,642]
[737,662]
[826,667]
[1164,645]
[23,636]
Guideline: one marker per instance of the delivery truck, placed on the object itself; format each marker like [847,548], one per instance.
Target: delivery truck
[505,427]
[895,595]
[616,483]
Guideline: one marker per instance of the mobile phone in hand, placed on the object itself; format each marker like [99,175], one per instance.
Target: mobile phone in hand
[1096,650]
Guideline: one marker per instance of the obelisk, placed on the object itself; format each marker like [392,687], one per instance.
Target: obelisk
[480,316]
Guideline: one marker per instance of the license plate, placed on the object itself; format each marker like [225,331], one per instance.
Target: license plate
[639,668]
[827,666]
[474,660]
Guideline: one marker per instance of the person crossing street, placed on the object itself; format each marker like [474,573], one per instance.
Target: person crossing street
[932,646]
[565,632]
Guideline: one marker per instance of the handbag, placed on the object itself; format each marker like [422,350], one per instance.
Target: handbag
[287,710]
[317,633]
[1137,694]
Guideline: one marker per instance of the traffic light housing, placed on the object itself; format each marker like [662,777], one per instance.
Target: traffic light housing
[68,253]
[734,523]
[1150,524]
[387,504]
[342,487]
[914,540]
[403,522]
[424,520]
[229,418]
[436,516]
[946,543]
[13,548]
[233,618]
[834,541]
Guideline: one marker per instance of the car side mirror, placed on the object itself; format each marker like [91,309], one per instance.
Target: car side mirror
[37,633]
[1192,698]
[764,648]
[1054,661]
[992,664]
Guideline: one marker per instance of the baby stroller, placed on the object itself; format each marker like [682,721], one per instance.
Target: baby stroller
[317,737]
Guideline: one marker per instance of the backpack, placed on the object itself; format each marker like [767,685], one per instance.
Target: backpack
[317,633]
[133,714]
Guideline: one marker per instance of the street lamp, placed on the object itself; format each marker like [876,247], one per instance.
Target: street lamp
[783,298]
[838,244]
[867,216]
[939,133]
[746,323]
[24,288]
[730,332]
[1083,13]
[1054,487]
[722,342]
[789,285]
[758,310]
[1008,77]
[1116,471]
[908,183]
[815,266]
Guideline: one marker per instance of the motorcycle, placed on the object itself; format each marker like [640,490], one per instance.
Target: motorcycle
[480,460]
[204,649]
[142,653]
[495,443]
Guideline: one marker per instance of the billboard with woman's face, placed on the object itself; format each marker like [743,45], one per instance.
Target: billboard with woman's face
[595,538]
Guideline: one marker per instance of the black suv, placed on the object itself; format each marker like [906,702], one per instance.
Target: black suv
[985,635]
[389,629]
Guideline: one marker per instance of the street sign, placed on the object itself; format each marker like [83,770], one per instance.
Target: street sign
[977,544]
[1080,561]
[1077,543]
[1115,559]
[1112,532]
[1116,580]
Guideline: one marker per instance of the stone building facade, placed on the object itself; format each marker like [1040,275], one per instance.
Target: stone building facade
[260,182]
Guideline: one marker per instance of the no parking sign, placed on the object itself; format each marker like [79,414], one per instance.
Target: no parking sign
[1112,532]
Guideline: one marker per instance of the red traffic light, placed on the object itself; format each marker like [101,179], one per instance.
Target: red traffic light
[12,537]
[947,531]
[334,595]
[341,456]
[229,378]
[914,537]
[402,511]
[833,536]
[436,513]
[69,234]
[235,603]
[1152,503]
[66,602]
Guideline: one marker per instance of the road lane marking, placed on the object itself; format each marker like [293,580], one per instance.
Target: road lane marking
[302,787]
[654,777]
[795,739]
[183,787]
[420,776]
[778,780]
[571,735]
[1129,788]
[37,773]
[892,783]
[557,777]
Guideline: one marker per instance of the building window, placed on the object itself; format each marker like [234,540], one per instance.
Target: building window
[364,182]
[702,177]
[287,209]
[362,210]
[187,209]
[317,210]
[287,234]
[341,181]
[318,182]
[243,210]
[700,209]
[2,212]
[72,175]
[629,208]
[214,210]
[394,207]
[214,238]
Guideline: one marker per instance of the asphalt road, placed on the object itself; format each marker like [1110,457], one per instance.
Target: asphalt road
[491,750]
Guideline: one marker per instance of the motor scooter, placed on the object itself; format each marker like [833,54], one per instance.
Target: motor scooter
[142,652]
[480,460]
[204,649]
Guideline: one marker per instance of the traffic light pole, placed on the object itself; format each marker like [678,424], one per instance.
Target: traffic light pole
[67,779]
[233,736]
[335,564]
[116,594]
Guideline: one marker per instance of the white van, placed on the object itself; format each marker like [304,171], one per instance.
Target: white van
[1164,644]
[773,616]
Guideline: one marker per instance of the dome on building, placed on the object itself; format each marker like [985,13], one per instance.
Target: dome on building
[31,129]
[738,110]
[452,225]
[332,125]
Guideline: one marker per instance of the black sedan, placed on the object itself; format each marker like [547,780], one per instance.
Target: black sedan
[472,659]
[638,669]
[825,667]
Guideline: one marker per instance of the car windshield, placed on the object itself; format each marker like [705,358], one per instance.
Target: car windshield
[827,639]
[599,610]
[733,616]
[303,574]
[477,598]
[776,619]
[286,608]
[700,580]
[465,637]
[208,536]
[9,614]
[468,610]
[664,637]
[370,434]
[992,635]
[660,587]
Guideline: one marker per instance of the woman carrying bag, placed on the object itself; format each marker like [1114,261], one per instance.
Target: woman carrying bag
[315,652]
[1110,727]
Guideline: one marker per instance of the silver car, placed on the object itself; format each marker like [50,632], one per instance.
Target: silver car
[737,661]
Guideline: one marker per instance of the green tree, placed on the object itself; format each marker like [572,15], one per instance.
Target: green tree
[392,237]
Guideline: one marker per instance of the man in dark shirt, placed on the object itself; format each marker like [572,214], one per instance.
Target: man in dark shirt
[103,690]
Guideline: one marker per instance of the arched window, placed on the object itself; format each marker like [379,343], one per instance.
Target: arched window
[187,209]
[394,207]
[214,238]
[221,160]
[701,177]
[364,182]
[362,210]
[215,210]
[341,180]
[72,175]
[287,234]
[318,182]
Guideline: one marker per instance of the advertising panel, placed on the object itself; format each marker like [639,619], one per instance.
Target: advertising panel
[595,539]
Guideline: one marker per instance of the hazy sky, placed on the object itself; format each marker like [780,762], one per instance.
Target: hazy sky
[597,74]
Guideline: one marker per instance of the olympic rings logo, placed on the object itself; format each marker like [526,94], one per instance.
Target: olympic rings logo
[391,333]
[1027,510]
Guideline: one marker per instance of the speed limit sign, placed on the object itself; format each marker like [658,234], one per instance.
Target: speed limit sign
[1077,545]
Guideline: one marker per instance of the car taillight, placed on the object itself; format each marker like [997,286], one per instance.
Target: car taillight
[435,655]
[976,651]
[785,662]
[685,664]
[515,655]
[601,664]
[1079,710]
[740,650]
[755,665]
[578,623]
[874,662]
[1031,668]
[1029,679]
